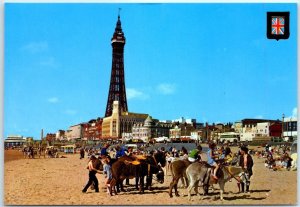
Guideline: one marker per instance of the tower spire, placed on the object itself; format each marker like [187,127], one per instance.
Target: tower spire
[118,29]
[117,90]
[119,13]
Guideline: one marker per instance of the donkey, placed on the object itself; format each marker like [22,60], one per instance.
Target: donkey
[177,169]
[201,172]
[124,167]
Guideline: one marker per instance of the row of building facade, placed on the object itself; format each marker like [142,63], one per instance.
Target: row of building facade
[134,126]
[145,128]
[17,141]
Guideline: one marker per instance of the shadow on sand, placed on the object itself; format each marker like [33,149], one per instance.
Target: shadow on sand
[244,197]
[260,191]
[216,196]
[155,190]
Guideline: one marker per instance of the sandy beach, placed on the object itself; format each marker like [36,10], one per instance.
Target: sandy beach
[59,181]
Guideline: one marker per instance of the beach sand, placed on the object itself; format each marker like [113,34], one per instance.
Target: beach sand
[10,155]
[59,181]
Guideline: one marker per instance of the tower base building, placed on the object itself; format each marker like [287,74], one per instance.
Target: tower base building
[113,126]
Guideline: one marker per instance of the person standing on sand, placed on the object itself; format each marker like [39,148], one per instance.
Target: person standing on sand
[108,175]
[81,153]
[92,175]
[246,162]
[32,152]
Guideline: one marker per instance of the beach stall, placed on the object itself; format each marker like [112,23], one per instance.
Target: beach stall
[68,149]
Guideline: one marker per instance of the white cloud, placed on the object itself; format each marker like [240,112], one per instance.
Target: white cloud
[49,62]
[70,112]
[132,93]
[24,130]
[166,88]
[259,117]
[295,112]
[293,115]
[53,100]
[35,47]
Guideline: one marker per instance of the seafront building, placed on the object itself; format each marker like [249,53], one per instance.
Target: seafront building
[258,129]
[183,120]
[50,137]
[120,122]
[60,135]
[151,128]
[75,132]
[92,130]
[290,131]
[14,141]
[182,132]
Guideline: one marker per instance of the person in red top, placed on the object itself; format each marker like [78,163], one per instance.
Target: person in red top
[246,162]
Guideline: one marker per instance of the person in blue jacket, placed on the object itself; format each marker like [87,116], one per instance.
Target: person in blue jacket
[120,151]
[103,152]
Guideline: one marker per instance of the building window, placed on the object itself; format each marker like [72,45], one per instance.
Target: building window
[114,126]
[294,126]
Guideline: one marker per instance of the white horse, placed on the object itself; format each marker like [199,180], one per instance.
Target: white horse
[201,173]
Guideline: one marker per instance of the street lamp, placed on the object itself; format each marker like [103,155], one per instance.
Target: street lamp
[282,135]
[291,128]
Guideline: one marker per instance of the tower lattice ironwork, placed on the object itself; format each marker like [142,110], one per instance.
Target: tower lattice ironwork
[117,90]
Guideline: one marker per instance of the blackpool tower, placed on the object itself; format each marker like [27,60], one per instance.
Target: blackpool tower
[117,90]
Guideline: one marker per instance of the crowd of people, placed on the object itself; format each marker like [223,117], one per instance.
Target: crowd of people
[105,157]
[28,152]
[31,152]
[38,152]
[276,157]
[216,156]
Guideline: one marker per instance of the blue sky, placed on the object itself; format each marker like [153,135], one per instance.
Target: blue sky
[211,62]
